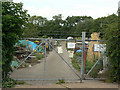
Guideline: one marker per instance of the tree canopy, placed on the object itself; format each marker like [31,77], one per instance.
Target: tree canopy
[13,21]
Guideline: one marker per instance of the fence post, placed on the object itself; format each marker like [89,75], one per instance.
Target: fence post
[83,56]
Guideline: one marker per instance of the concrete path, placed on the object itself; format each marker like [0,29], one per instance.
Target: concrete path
[85,84]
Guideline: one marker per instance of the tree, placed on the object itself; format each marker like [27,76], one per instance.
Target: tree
[112,39]
[52,28]
[34,26]
[85,25]
[13,21]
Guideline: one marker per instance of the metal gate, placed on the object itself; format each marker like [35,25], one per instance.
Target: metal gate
[56,65]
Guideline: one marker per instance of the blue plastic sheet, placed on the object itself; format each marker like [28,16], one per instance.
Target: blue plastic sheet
[79,50]
[30,45]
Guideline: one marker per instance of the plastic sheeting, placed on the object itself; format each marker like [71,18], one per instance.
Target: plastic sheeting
[14,64]
[79,50]
[30,45]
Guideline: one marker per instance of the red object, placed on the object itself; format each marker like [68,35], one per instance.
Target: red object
[85,56]
[29,46]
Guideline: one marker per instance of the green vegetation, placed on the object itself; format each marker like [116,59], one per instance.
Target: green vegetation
[8,83]
[60,81]
[96,69]
[76,64]
[20,82]
[88,66]
[39,56]
[112,39]
[13,20]
[75,61]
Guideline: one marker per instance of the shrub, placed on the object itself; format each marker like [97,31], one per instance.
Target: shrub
[8,83]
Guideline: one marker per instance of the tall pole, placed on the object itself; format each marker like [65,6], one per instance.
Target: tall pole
[45,58]
[83,56]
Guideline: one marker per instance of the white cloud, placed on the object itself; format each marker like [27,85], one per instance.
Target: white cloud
[49,8]
[95,11]
[45,11]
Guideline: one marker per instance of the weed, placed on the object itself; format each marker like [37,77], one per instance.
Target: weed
[20,82]
[39,56]
[60,81]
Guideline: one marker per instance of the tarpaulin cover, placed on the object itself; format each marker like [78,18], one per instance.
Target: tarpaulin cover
[30,45]
[79,50]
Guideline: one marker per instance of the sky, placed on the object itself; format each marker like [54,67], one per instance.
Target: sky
[50,8]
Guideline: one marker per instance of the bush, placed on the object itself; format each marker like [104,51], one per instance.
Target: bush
[8,83]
